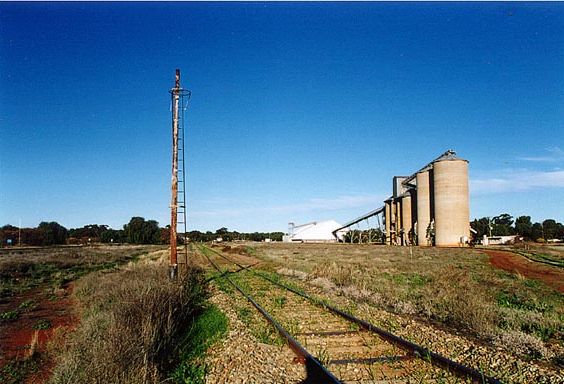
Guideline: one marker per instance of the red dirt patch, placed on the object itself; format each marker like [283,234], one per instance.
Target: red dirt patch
[16,335]
[511,262]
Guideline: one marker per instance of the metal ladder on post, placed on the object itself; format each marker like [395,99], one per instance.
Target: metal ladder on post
[181,212]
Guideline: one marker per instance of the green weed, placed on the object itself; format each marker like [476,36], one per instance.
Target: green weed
[414,280]
[16,371]
[244,314]
[42,324]
[323,357]
[9,315]
[27,305]
[279,301]
[266,334]
[514,301]
[209,327]
[251,251]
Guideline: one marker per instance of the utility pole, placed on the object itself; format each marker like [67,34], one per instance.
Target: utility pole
[173,267]
[20,233]
[180,97]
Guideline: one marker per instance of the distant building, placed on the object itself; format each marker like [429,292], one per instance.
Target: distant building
[314,232]
[500,240]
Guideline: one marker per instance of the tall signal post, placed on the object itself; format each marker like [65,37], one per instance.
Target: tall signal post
[180,98]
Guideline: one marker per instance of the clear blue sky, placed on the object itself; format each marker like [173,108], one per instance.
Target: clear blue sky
[300,111]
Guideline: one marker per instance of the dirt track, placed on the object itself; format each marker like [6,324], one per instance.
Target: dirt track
[16,336]
[514,263]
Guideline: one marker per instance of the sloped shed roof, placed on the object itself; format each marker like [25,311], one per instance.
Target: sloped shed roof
[317,231]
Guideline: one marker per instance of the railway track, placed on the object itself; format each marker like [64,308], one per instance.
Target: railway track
[335,346]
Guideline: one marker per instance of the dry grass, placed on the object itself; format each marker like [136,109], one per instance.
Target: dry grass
[25,268]
[521,343]
[131,322]
[456,287]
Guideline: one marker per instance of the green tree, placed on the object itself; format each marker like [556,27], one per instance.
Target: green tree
[550,228]
[502,225]
[276,236]
[537,232]
[139,231]
[113,236]
[481,226]
[53,233]
[560,231]
[524,226]
[224,234]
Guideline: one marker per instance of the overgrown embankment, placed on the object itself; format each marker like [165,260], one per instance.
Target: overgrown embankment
[133,322]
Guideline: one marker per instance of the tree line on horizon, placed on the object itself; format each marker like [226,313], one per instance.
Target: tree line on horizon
[506,225]
[137,231]
[141,231]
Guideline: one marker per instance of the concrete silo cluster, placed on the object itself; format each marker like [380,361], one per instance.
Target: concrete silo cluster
[431,206]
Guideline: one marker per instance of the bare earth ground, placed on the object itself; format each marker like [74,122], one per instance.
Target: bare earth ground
[511,262]
[16,336]
[54,310]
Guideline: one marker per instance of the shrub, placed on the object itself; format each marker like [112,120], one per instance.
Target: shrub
[132,320]
[9,315]
[456,300]
[522,343]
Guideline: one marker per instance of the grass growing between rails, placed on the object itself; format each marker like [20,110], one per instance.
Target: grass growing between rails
[132,321]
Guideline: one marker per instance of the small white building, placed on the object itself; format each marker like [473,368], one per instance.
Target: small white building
[500,240]
[314,232]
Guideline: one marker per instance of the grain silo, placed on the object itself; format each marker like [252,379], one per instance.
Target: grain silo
[423,206]
[388,221]
[406,219]
[398,226]
[429,207]
[450,197]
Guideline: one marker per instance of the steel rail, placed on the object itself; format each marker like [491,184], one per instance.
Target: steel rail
[316,372]
[224,273]
[412,348]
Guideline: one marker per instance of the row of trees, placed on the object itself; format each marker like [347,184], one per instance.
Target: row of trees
[227,235]
[137,231]
[47,233]
[141,231]
[504,225]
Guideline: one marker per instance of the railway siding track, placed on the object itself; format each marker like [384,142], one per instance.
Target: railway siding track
[334,345]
